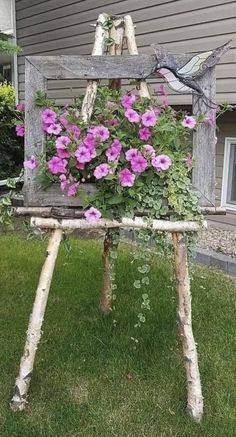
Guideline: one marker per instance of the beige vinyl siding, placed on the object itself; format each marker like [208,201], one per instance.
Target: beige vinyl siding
[227,128]
[59,27]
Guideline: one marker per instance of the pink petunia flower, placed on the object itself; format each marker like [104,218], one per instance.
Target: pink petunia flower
[112,122]
[72,190]
[80,165]
[161,162]
[31,163]
[211,118]
[149,118]
[126,178]
[131,154]
[144,133]
[63,120]
[114,150]
[83,154]
[92,215]
[20,130]
[74,131]
[63,152]
[57,165]
[62,141]
[63,182]
[128,100]
[101,133]
[189,161]
[132,116]
[89,141]
[162,91]
[189,122]
[149,150]
[20,107]
[54,129]
[139,163]
[49,116]
[101,171]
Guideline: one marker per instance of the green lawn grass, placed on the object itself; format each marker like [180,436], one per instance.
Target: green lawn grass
[88,380]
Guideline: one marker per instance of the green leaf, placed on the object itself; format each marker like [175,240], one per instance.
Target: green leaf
[115,200]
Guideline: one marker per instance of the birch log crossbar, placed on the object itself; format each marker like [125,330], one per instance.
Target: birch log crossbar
[51,210]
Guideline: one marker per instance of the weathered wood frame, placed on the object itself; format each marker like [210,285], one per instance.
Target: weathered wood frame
[39,69]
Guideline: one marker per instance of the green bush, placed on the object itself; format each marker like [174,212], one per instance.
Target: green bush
[11,146]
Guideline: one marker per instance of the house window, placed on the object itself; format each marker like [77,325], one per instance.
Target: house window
[229,174]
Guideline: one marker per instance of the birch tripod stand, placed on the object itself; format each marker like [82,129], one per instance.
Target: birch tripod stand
[51,210]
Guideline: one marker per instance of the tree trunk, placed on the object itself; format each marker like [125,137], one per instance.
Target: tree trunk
[195,399]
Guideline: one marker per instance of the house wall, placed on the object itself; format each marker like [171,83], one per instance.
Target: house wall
[227,128]
[59,27]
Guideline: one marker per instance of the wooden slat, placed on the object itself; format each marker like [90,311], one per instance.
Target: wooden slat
[99,67]
[34,137]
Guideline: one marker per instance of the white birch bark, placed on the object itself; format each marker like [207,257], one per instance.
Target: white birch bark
[137,222]
[195,399]
[133,50]
[98,50]
[22,383]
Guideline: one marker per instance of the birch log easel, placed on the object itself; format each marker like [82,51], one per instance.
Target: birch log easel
[46,214]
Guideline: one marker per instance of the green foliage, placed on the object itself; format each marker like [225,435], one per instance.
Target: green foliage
[11,146]
[7,47]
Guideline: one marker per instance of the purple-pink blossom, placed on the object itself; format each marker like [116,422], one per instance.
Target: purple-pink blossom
[189,161]
[132,116]
[63,181]
[144,133]
[53,128]
[114,150]
[131,154]
[74,131]
[126,178]
[189,122]
[72,190]
[162,91]
[20,130]
[31,163]
[92,215]
[101,133]
[20,107]
[83,154]
[149,150]
[62,141]
[211,118]
[57,165]
[49,116]
[149,118]
[128,100]
[161,162]
[101,171]
[139,163]
[112,122]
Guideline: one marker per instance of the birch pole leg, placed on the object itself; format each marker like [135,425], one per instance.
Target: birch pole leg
[22,383]
[98,50]
[133,50]
[195,399]
[116,49]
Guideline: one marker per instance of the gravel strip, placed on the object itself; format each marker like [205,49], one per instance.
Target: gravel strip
[219,240]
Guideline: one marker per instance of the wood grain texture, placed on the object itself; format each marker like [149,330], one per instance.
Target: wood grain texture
[34,136]
[204,143]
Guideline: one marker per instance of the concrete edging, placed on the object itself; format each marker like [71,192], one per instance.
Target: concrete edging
[214,259]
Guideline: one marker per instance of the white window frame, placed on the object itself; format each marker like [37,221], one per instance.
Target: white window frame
[228,142]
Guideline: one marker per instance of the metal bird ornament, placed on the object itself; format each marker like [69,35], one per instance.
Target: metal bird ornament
[182,73]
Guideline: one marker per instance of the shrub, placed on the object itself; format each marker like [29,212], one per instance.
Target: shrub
[11,146]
